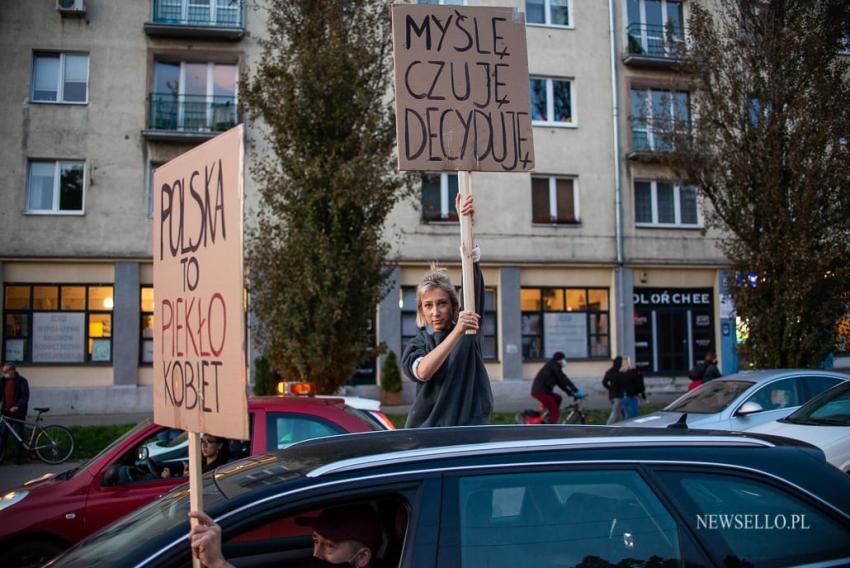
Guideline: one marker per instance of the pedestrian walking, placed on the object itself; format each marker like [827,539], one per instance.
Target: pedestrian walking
[633,387]
[452,385]
[613,385]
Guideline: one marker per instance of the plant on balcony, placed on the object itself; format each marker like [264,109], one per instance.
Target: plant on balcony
[317,257]
[770,154]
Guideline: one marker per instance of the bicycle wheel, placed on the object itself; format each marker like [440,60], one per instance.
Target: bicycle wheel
[54,444]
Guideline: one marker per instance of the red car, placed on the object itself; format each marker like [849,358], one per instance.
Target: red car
[47,515]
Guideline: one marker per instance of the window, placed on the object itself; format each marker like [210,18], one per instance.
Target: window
[658,116]
[719,505]
[60,78]
[283,430]
[665,204]
[548,12]
[438,198]
[656,27]
[409,329]
[193,96]
[58,323]
[563,518]
[551,101]
[571,320]
[442,2]
[554,200]
[56,187]
[146,338]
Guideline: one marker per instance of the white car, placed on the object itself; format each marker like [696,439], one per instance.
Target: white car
[824,422]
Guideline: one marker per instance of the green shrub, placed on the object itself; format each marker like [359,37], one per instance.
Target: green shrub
[264,383]
[390,376]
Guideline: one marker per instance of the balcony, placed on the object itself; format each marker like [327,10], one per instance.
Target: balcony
[189,118]
[650,145]
[211,19]
[653,46]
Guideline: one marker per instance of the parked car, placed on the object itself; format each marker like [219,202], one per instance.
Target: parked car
[47,515]
[507,496]
[824,422]
[744,400]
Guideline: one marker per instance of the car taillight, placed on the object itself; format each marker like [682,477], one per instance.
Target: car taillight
[379,416]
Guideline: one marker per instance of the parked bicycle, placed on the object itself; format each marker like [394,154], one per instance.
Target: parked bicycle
[572,413]
[52,443]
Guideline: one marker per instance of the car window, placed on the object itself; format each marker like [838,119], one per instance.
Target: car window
[134,467]
[283,429]
[711,397]
[815,385]
[746,522]
[563,519]
[778,394]
[830,409]
[283,540]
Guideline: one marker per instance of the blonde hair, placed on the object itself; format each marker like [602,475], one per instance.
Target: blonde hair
[435,279]
[627,364]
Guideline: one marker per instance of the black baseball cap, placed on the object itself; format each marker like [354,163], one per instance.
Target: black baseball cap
[348,522]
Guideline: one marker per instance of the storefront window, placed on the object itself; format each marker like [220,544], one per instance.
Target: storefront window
[565,321]
[407,303]
[62,323]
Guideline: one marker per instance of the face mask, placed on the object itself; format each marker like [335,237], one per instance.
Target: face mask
[316,562]
[7,375]
[563,363]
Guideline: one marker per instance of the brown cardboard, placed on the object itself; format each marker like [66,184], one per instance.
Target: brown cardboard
[443,120]
[199,354]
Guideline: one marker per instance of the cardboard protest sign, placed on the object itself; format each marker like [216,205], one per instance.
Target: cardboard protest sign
[461,89]
[199,355]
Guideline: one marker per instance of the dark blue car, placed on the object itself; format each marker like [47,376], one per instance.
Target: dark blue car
[516,496]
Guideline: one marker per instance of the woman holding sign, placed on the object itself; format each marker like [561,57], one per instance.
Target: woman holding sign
[452,385]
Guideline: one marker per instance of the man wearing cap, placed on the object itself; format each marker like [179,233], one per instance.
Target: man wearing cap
[342,536]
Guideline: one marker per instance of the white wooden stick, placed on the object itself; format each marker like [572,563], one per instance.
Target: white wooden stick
[466,243]
[196,489]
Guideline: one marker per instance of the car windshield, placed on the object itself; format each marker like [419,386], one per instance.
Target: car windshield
[831,408]
[131,432]
[110,546]
[711,397]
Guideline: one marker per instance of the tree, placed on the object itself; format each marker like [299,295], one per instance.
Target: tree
[317,260]
[768,149]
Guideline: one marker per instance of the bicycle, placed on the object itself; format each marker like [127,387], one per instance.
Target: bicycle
[571,413]
[52,443]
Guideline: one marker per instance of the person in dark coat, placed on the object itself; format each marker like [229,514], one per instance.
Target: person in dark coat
[547,378]
[14,400]
[633,387]
[711,369]
[612,383]
[452,385]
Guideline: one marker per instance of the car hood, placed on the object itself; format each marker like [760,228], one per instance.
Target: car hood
[663,418]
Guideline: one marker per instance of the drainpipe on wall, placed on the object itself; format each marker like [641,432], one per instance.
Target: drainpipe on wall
[618,189]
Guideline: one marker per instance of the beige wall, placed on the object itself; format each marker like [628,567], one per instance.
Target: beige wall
[56,376]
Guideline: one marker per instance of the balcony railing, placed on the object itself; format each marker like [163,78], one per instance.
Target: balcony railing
[215,13]
[654,41]
[191,113]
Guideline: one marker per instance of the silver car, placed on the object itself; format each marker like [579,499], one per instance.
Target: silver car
[743,400]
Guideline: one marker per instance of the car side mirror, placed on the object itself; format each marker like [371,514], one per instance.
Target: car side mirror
[143,453]
[749,407]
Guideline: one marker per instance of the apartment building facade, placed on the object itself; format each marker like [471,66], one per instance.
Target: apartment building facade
[597,253]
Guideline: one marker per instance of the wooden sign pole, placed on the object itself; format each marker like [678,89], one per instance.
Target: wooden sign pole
[196,490]
[466,245]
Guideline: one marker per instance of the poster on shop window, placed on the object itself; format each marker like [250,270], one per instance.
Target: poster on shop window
[199,352]
[461,89]
[566,332]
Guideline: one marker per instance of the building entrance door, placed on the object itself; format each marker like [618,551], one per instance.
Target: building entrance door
[672,333]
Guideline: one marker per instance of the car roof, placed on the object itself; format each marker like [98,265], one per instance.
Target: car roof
[348,452]
[256,402]
[770,374]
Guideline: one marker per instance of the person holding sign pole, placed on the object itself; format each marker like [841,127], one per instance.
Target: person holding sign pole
[446,363]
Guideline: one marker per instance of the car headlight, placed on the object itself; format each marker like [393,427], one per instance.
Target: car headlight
[11,498]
